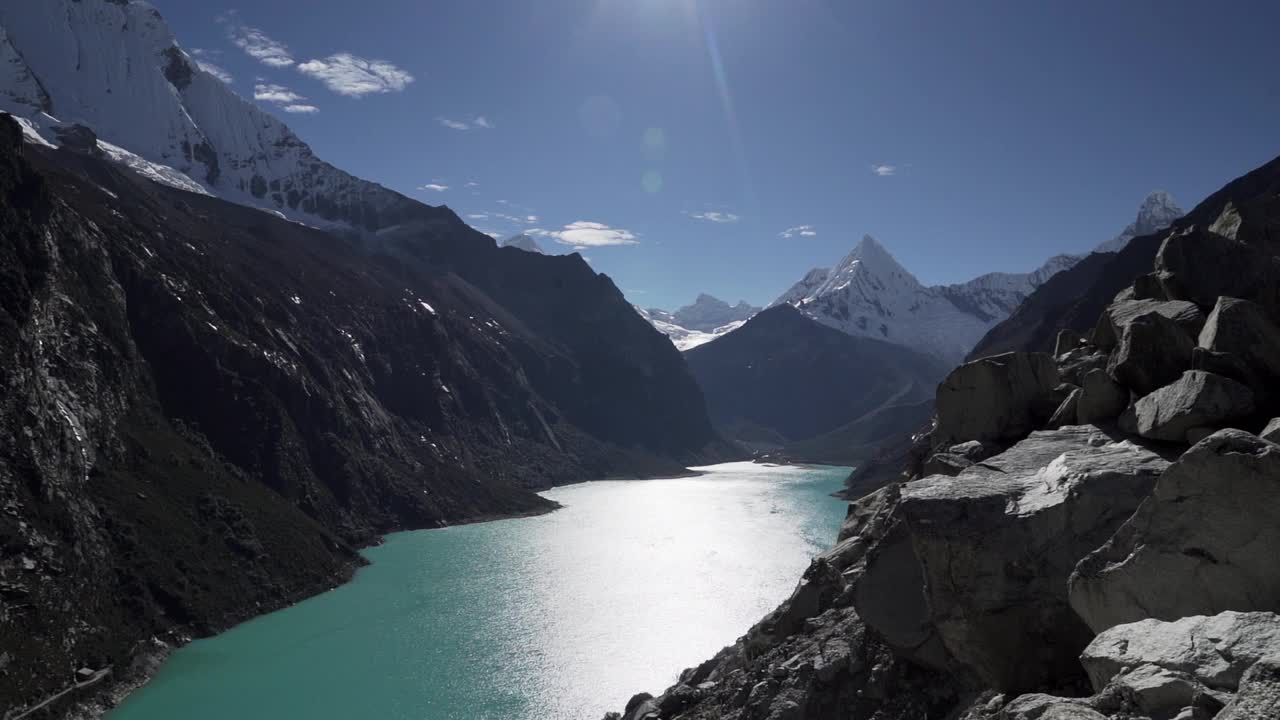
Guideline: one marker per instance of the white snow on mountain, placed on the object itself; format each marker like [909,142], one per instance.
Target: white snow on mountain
[1158,211]
[524,242]
[115,67]
[868,294]
[706,319]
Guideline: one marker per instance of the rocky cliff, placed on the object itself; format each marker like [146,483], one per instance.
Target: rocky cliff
[206,409]
[1081,535]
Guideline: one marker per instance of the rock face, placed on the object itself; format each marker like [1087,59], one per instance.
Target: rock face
[1197,399]
[1045,503]
[997,398]
[1212,522]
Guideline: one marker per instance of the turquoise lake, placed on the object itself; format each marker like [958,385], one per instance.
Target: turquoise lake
[556,617]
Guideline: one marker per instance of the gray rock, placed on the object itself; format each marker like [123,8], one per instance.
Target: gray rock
[1258,696]
[1066,412]
[1155,691]
[1073,366]
[1038,706]
[1204,265]
[1153,352]
[1101,398]
[994,546]
[1215,650]
[1204,542]
[975,450]
[1195,399]
[1272,431]
[1002,397]
[1196,434]
[1241,329]
[1067,341]
[1149,287]
[1118,316]
[944,463]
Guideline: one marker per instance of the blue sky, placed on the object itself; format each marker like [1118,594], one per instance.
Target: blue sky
[967,137]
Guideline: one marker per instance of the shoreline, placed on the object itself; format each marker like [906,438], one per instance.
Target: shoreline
[109,691]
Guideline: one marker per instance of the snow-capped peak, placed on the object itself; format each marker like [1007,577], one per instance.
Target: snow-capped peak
[870,294]
[702,321]
[1158,211]
[115,67]
[524,242]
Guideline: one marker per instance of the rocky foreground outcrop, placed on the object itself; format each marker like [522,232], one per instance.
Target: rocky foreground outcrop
[1080,535]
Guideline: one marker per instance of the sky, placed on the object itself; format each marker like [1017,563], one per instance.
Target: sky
[728,146]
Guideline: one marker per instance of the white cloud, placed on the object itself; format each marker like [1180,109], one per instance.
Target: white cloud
[884,170]
[480,123]
[518,219]
[257,44]
[277,94]
[715,216]
[204,63]
[478,216]
[585,234]
[286,99]
[354,76]
[472,183]
[799,230]
[434,187]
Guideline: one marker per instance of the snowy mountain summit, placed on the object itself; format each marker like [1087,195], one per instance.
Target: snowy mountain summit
[114,66]
[1157,212]
[869,294]
[700,322]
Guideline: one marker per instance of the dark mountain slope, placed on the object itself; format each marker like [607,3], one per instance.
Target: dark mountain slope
[786,373]
[1076,297]
[205,408]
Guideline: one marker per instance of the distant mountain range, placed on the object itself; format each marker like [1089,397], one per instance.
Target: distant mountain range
[869,294]
[706,319]
[524,242]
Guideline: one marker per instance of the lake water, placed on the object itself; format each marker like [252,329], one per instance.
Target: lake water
[556,617]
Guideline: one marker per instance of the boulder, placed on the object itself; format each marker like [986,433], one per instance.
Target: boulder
[1073,366]
[1101,398]
[1118,315]
[1154,691]
[984,557]
[1149,287]
[1067,341]
[1204,542]
[1258,695]
[945,463]
[1204,265]
[1243,330]
[1271,432]
[1002,397]
[1038,706]
[974,450]
[1198,398]
[1153,352]
[1216,650]
[1254,222]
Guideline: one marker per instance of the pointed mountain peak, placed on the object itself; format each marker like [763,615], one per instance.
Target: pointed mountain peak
[704,299]
[872,257]
[1158,211]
